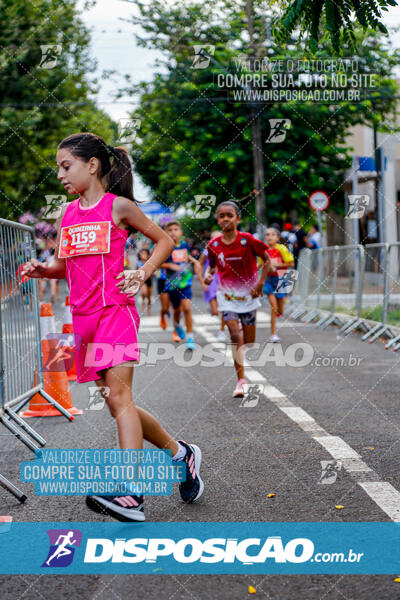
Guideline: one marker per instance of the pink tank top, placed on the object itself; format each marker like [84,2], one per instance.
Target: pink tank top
[92,277]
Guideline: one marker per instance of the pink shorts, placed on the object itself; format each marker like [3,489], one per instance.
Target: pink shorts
[105,338]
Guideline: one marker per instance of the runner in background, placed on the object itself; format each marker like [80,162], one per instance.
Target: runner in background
[161,276]
[130,248]
[233,255]
[143,257]
[47,257]
[288,237]
[178,283]
[314,238]
[273,287]
[210,290]
[300,242]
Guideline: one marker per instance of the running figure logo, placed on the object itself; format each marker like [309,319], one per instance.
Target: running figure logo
[53,206]
[200,59]
[357,206]
[330,470]
[278,130]
[286,282]
[59,358]
[127,130]
[252,395]
[50,54]
[62,547]
[97,397]
[203,206]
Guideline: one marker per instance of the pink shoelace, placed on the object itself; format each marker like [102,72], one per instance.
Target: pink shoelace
[127,501]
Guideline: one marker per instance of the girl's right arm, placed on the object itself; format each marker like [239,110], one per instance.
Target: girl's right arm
[198,269]
[36,269]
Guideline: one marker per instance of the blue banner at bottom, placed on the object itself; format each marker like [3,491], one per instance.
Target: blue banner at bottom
[199,548]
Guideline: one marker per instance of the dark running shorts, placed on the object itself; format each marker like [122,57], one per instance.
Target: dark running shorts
[160,286]
[177,295]
[246,318]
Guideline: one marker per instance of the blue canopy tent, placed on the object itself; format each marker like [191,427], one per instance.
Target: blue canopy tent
[155,210]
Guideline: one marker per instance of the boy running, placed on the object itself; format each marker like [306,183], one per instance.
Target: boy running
[178,284]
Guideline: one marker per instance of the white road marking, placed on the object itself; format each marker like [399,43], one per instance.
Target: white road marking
[298,415]
[385,496]
[272,392]
[381,492]
[337,447]
[255,376]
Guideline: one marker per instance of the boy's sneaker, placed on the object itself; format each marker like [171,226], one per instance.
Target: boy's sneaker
[190,345]
[193,487]
[239,391]
[221,336]
[180,332]
[123,508]
[274,339]
[175,337]
[163,322]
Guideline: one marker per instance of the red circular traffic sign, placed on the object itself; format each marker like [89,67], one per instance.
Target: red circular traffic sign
[319,200]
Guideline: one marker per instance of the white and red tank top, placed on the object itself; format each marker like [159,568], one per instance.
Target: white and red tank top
[93,248]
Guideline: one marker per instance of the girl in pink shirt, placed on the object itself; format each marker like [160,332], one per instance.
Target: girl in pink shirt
[92,232]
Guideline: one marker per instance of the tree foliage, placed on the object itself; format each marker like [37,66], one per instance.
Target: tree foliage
[39,106]
[194,141]
[338,17]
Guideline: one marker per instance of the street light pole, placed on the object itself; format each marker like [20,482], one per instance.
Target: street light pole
[256,129]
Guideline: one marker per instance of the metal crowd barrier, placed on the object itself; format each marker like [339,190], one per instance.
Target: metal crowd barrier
[298,304]
[392,305]
[21,370]
[362,282]
[329,279]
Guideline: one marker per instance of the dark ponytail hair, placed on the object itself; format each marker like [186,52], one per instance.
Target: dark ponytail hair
[232,203]
[115,166]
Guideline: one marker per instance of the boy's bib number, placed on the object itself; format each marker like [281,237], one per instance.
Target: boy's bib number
[179,255]
[85,238]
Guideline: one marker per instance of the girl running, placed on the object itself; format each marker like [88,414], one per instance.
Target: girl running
[273,287]
[210,290]
[92,231]
[234,255]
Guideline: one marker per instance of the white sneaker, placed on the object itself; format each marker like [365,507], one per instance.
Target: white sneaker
[239,389]
[274,339]
[221,336]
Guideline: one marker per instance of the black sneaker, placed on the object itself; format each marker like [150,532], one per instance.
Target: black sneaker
[123,508]
[193,487]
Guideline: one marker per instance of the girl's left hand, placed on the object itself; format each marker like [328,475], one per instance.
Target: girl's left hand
[132,281]
[208,277]
[257,290]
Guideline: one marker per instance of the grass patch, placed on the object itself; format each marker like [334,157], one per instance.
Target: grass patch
[374,313]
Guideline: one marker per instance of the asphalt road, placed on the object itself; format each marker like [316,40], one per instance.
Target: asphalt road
[342,405]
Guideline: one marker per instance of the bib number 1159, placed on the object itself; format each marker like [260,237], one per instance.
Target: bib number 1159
[85,238]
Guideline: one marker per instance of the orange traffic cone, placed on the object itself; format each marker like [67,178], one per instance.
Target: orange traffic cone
[68,341]
[55,377]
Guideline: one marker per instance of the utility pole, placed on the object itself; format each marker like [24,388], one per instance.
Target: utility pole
[258,166]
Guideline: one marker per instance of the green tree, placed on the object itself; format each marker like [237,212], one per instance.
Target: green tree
[193,141]
[41,105]
[337,17]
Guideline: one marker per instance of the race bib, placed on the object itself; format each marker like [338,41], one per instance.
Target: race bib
[179,255]
[85,238]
